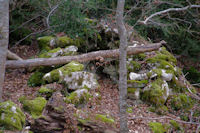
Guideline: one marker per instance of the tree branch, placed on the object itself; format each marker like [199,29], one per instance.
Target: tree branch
[168,10]
[80,58]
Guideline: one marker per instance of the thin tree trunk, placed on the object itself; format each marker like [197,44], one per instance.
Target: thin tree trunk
[122,67]
[4,30]
[80,58]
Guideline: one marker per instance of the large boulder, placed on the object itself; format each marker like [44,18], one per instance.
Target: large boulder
[12,118]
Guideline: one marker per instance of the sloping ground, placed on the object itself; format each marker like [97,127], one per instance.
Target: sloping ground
[16,86]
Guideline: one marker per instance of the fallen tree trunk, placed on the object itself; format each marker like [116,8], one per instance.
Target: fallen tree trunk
[81,58]
[13,56]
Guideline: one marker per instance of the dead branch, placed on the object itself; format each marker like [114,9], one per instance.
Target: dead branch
[168,10]
[13,56]
[165,117]
[81,58]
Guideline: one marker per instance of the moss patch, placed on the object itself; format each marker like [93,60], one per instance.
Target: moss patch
[43,91]
[78,97]
[104,118]
[12,118]
[34,107]
[175,125]
[51,53]
[181,101]
[157,127]
[44,42]
[36,79]
[155,94]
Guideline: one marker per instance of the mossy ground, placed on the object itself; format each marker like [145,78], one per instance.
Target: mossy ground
[157,127]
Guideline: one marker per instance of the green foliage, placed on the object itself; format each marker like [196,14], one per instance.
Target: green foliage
[193,74]
[104,118]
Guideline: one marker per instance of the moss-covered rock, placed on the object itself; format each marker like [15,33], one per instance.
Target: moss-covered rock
[45,42]
[69,50]
[81,79]
[104,118]
[52,53]
[12,118]
[59,73]
[64,41]
[156,93]
[36,79]
[46,92]
[78,97]
[157,127]
[133,93]
[181,101]
[34,107]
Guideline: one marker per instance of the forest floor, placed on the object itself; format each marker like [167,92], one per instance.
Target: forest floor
[16,86]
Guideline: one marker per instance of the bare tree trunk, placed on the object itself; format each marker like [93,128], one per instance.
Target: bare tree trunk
[4,30]
[122,67]
[80,58]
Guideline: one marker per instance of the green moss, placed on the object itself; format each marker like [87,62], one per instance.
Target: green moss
[34,107]
[49,53]
[57,74]
[181,101]
[134,66]
[104,118]
[155,94]
[157,127]
[175,125]
[129,110]
[12,118]
[137,83]
[160,110]
[131,90]
[44,42]
[64,41]
[78,97]
[158,72]
[140,57]
[46,92]
[36,79]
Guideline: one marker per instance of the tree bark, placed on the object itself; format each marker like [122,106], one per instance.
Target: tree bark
[80,58]
[4,30]
[122,67]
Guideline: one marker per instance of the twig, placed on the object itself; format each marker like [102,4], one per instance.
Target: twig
[168,10]
[50,13]
[24,24]
[30,35]
[165,117]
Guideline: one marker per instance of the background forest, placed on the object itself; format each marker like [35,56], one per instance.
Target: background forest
[30,19]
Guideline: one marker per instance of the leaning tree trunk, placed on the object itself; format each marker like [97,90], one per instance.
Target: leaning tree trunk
[122,67]
[4,30]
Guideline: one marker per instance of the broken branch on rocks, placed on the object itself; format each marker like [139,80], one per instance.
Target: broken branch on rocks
[131,50]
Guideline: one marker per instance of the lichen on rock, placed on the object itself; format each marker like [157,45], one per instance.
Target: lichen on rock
[81,79]
[58,74]
[12,118]
[35,106]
